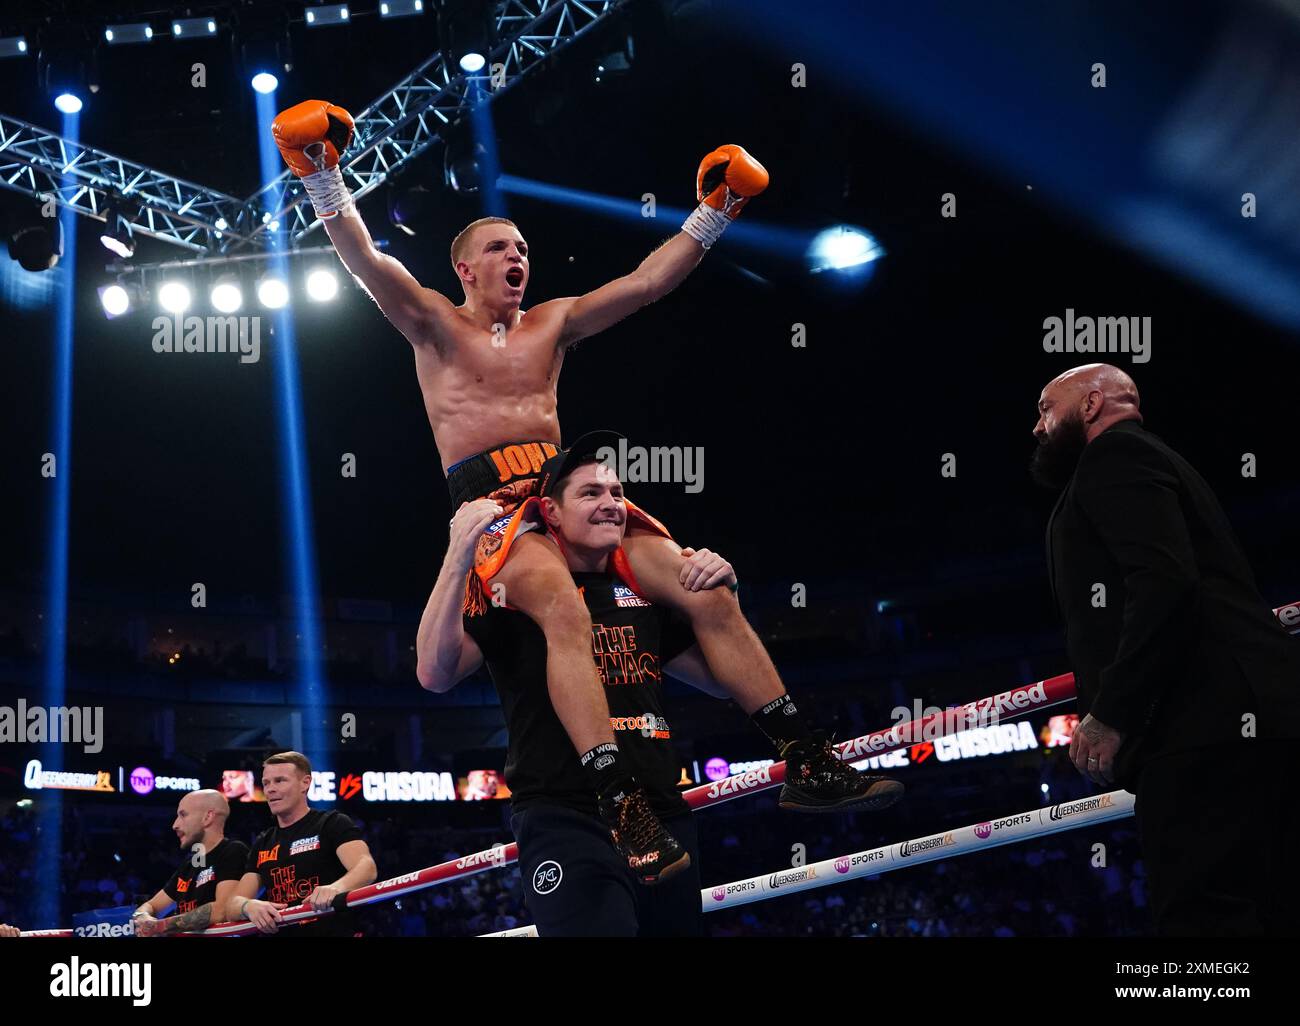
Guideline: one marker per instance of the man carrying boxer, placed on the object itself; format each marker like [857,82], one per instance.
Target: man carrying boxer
[308,856]
[205,881]
[633,642]
[488,371]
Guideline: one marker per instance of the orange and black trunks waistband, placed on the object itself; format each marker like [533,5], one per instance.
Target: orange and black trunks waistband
[477,476]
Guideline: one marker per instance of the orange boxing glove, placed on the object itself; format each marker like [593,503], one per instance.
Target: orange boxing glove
[728,178]
[312,137]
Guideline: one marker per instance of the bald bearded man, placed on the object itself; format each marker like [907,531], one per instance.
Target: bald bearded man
[206,878]
[1188,687]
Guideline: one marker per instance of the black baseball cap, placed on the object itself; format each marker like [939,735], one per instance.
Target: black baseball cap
[566,461]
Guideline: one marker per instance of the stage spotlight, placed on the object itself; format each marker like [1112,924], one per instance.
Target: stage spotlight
[410,210]
[63,67]
[401,8]
[615,64]
[843,248]
[114,299]
[322,285]
[117,236]
[13,46]
[37,244]
[272,292]
[226,295]
[265,51]
[174,296]
[467,31]
[463,163]
[327,14]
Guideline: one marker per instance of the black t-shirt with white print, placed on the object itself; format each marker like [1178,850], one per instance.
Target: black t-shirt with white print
[294,860]
[631,639]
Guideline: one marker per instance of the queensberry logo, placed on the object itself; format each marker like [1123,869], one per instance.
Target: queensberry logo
[625,596]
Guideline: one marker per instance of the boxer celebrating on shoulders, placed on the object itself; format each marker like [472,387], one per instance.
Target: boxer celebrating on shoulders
[488,371]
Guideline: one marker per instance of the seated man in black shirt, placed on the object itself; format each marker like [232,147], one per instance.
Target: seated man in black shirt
[575,882]
[308,856]
[206,880]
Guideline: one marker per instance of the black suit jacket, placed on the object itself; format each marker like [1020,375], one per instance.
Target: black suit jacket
[1180,646]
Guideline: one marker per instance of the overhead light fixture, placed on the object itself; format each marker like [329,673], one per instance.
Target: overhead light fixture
[322,285]
[120,297]
[133,32]
[463,161]
[265,50]
[64,67]
[466,29]
[226,295]
[193,28]
[272,292]
[13,46]
[401,8]
[327,14]
[174,296]
[37,242]
[117,236]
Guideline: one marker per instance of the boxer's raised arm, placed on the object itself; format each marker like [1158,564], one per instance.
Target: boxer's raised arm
[659,273]
[726,180]
[417,312]
[312,137]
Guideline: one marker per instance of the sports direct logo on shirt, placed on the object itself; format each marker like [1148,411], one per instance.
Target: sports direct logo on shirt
[304,844]
[625,596]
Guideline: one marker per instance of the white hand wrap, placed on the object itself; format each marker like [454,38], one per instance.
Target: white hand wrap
[705,225]
[329,195]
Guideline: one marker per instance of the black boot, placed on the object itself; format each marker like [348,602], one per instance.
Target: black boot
[817,781]
[652,853]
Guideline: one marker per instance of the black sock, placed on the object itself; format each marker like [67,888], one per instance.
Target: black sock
[780,721]
[606,772]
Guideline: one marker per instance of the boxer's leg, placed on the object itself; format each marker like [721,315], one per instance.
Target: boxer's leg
[537,582]
[735,656]
[815,778]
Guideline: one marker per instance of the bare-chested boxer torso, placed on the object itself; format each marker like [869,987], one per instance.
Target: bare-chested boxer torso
[482,388]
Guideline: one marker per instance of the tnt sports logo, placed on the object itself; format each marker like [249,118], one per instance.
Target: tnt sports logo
[744,887]
[142,780]
[625,596]
[985,830]
[304,844]
[842,864]
[548,877]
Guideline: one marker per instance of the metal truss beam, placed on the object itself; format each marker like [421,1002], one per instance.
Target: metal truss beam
[390,132]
